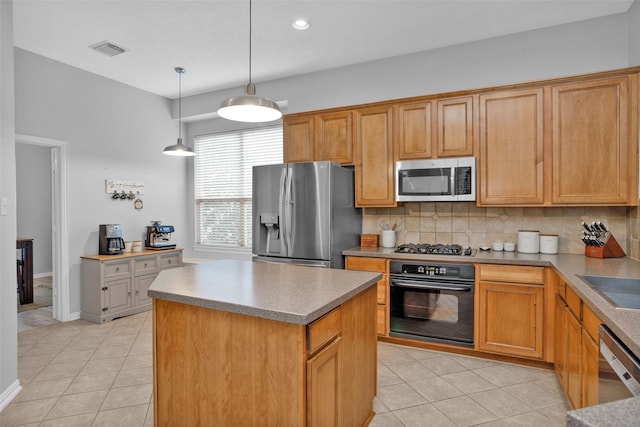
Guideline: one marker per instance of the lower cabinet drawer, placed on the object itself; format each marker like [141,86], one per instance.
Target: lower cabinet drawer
[116,269]
[145,266]
[324,330]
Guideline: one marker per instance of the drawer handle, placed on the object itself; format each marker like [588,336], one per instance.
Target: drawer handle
[145,265]
[117,269]
[169,262]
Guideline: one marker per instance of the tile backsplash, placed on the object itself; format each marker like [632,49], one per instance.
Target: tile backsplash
[466,224]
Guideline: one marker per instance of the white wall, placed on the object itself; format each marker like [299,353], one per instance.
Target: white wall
[634,33]
[112,131]
[9,385]
[584,47]
[33,187]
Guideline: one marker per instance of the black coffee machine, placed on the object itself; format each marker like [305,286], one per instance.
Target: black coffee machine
[110,239]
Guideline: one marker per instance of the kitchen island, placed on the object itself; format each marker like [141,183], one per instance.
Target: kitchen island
[248,343]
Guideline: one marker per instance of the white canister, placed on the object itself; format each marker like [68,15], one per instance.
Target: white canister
[528,241]
[388,238]
[548,243]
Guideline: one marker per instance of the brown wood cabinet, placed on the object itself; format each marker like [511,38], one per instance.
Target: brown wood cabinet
[298,138]
[595,141]
[316,137]
[559,340]
[334,137]
[574,343]
[564,142]
[455,126]
[378,265]
[415,132]
[513,296]
[374,171]
[511,148]
[576,355]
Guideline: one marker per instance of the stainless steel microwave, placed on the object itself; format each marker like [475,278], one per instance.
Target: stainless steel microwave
[436,180]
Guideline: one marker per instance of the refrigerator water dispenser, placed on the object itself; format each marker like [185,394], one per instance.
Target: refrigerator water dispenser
[270,221]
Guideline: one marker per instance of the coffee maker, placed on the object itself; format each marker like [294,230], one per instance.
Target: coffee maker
[110,239]
[159,236]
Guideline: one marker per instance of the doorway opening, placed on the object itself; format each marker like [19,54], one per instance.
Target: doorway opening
[59,223]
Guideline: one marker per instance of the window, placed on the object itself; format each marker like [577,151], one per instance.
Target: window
[223,172]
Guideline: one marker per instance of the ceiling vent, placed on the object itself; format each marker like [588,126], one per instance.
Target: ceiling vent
[107,48]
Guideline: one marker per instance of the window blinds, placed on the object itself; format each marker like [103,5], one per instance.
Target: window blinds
[223,173]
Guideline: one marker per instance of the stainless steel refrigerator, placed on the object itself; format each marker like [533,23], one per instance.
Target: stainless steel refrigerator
[304,213]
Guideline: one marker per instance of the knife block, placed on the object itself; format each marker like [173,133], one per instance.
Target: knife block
[611,249]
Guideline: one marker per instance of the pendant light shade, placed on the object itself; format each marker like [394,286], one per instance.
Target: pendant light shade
[179,149]
[249,107]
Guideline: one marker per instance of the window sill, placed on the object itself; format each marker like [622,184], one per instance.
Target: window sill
[221,252]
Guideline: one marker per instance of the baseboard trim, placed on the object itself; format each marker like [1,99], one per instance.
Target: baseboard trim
[73,316]
[7,396]
[40,275]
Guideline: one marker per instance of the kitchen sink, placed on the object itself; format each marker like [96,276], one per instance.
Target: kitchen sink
[622,292]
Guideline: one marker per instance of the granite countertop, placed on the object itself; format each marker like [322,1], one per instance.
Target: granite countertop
[285,292]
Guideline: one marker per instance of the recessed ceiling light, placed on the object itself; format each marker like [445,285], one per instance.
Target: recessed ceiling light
[300,24]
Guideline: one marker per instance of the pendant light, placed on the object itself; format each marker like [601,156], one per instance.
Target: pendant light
[179,149]
[249,107]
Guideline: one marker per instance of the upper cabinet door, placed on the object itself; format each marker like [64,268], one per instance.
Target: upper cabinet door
[298,139]
[414,131]
[374,158]
[334,137]
[594,142]
[511,148]
[455,127]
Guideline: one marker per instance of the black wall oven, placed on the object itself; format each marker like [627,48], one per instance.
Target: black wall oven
[432,301]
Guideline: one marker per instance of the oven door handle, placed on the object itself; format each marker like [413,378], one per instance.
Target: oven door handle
[416,284]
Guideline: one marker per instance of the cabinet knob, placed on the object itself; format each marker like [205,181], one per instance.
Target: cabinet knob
[145,265]
[105,308]
[169,262]
[137,292]
[129,293]
[104,288]
[117,269]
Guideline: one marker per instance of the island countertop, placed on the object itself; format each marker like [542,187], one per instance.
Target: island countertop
[284,292]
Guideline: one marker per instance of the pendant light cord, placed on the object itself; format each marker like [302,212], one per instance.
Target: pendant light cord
[179,105]
[250,41]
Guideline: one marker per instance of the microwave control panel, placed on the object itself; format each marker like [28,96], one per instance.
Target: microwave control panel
[463,181]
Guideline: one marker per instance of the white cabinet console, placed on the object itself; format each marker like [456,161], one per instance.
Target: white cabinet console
[116,285]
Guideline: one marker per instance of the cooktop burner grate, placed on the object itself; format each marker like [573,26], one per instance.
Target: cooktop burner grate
[437,249]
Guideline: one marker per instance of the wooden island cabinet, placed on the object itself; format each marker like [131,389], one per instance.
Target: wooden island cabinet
[241,343]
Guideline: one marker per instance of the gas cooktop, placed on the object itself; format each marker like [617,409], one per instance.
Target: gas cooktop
[437,249]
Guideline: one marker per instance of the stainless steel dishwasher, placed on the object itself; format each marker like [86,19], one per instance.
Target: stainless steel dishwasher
[618,370]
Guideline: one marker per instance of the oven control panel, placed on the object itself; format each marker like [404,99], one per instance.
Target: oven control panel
[448,271]
[427,270]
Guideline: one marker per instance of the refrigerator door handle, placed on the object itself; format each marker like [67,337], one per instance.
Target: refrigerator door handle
[282,211]
[288,219]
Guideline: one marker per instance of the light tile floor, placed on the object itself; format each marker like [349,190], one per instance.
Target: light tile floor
[84,374]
